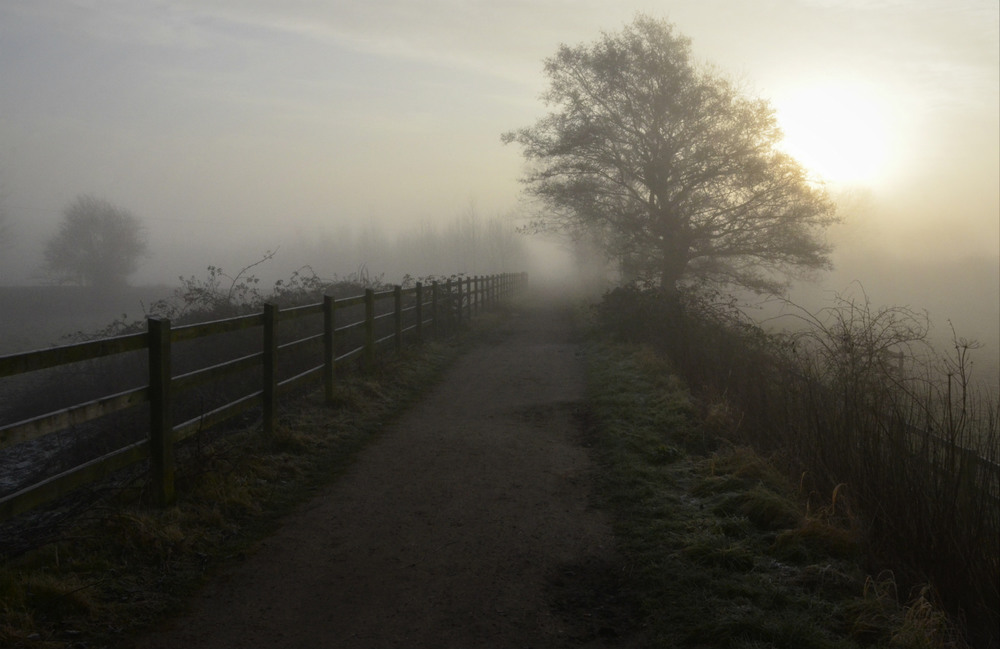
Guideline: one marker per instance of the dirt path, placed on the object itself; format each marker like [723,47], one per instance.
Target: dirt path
[468,524]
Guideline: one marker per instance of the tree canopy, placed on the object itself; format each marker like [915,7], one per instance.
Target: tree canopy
[673,170]
[97,244]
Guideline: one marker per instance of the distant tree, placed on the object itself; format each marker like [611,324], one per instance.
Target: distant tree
[97,244]
[669,167]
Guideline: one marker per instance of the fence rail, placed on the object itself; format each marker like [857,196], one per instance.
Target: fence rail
[393,316]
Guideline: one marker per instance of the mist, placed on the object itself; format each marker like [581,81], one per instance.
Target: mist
[362,136]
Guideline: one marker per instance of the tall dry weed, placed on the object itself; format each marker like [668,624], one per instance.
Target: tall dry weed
[856,396]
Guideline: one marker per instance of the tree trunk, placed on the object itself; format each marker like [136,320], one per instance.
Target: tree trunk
[672,267]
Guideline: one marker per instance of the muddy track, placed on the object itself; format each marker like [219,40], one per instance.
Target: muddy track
[469,523]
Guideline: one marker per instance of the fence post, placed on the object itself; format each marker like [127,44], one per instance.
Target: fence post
[435,329]
[397,305]
[420,311]
[161,442]
[459,305]
[369,329]
[478,292]
[450,312]
[329,348]
[269,393]
[472,295]
[469,295]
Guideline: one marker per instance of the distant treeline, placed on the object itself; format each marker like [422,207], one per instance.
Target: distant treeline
[470,244]
[475,244]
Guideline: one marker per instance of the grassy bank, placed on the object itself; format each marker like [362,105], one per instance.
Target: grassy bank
[125,564]
[854,406]
[721,548]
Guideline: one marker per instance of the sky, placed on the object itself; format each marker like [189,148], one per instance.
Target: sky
[231,127]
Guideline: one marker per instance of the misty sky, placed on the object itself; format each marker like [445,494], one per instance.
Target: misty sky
[235,126]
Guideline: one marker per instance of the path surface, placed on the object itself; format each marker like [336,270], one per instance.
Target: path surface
[468,524]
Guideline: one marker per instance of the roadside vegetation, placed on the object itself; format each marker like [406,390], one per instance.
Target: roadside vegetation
[106,563]
[767,495]
[763,495]
[125,564]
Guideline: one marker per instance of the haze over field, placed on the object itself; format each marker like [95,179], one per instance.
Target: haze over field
[234,127]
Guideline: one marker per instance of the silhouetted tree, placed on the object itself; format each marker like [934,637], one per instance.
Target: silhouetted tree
[669,166]
[98,244]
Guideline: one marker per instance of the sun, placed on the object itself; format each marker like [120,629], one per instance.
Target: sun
[837,131]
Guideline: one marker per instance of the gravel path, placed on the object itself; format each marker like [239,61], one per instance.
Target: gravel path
[467,524]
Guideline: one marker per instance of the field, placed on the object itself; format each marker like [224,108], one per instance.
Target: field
[33,317]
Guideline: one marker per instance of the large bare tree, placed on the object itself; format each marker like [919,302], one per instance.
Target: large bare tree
[97,244]
[673,169]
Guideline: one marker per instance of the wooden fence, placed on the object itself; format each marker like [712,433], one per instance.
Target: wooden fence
[352,329]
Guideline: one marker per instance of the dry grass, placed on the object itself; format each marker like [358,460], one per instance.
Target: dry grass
[124,565]
[904,440]
[723,549]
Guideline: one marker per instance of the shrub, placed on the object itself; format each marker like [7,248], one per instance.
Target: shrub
[856,396]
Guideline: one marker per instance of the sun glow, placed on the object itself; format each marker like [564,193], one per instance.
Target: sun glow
[838,132]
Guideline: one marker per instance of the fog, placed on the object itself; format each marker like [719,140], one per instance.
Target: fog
[232,128]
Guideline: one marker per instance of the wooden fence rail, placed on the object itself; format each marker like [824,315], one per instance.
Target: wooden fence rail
[389,317]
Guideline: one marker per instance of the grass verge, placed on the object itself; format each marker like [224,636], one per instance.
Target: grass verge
[720,548]
[123,565]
